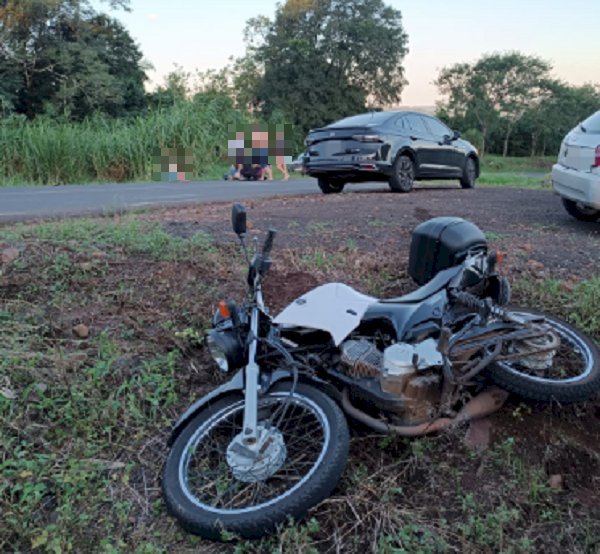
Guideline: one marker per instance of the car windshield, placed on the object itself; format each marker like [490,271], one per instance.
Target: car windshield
[363,120]
[592,124]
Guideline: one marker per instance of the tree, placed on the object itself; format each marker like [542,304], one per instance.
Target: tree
[63,57]
[496,91]
[542,128]
[318,60]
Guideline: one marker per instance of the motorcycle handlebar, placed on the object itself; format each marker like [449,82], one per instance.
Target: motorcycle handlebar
[268,245]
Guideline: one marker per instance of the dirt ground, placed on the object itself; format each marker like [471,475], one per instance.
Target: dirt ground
[539,241]
[528,225]
[535,487]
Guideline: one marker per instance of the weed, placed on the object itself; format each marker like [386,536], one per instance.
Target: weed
[376,223]
[84,421]
[513,180]
[492,235]
[525,164]
[318,226]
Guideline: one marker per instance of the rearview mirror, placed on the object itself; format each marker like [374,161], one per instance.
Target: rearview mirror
[238,219]
[455,135]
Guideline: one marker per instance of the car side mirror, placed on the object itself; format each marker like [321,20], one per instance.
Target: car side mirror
[455,135]
[238,219]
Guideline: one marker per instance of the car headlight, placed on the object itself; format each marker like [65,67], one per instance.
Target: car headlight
[225,349]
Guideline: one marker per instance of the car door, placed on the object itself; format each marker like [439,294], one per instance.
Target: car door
[422,144]
[449,160]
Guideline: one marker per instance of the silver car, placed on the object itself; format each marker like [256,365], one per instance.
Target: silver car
[576,175]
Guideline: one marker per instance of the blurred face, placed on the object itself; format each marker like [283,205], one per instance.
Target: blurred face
[264,139]
[260,139]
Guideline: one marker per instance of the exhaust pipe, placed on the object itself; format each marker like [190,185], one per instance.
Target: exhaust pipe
[485,403]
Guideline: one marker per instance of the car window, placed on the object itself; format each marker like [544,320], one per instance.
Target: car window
[363,120]
[416,124]
[592,124]
[437,128]
[401,124]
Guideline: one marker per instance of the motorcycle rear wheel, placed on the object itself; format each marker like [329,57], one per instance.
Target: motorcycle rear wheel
[202,491]
[574,377]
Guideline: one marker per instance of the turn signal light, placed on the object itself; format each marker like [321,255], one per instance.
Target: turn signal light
[224,310]
[597,157]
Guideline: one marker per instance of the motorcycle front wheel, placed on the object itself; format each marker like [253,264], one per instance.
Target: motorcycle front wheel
[573,376]
[214,491]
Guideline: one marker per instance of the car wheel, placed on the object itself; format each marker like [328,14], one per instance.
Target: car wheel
[329,186]
[469,175]
[580,211]
[403,176]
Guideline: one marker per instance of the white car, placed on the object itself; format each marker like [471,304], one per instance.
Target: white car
[576,175]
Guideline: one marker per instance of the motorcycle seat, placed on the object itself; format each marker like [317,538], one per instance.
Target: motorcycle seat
[441,279]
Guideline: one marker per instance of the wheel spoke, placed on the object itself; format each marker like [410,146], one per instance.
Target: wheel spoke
[211,481]
[569,361]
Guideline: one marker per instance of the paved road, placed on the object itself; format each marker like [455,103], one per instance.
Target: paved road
[22,203]
[18,204]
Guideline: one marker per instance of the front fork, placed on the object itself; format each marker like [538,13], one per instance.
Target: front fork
[251,438]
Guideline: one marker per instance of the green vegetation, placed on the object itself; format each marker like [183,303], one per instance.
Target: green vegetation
[102,149]
[508,180]
[84,419]
[528,113]
[577,303]
[82,416]
[63,57]
[317,61]
[73,106]
[492,163]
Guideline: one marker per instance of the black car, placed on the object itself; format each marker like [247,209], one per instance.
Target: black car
[398,147]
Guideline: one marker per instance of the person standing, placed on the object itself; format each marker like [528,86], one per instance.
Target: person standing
[280,158]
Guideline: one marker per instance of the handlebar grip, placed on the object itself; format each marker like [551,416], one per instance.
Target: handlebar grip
[266,251]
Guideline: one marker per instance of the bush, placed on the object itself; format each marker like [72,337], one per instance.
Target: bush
[475,137]
[47,151]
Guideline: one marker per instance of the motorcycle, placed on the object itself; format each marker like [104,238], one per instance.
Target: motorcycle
[273,441]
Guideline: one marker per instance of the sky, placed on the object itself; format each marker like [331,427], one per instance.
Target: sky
[200,34]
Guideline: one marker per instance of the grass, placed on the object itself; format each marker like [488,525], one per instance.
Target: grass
[577,303]
[523,164]
[46,152]
[516,181]
[77,414]
[84,420]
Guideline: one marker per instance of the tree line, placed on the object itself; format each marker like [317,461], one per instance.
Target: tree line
[510,104]
[313,62]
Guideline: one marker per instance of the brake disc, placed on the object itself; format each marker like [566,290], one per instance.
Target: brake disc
[249,465]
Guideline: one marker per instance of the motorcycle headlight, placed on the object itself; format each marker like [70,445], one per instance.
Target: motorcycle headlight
[225,349]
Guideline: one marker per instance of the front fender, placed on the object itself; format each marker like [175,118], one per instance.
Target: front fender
[236,383]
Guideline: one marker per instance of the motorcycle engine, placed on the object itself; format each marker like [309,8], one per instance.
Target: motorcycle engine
[408,371]
[361,358]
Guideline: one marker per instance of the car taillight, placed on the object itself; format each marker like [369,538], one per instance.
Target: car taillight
[597,157]
[366,138]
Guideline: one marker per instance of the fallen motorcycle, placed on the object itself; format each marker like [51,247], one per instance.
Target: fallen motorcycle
[273,441]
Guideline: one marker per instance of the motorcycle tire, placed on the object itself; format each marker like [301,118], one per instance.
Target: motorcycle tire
[206,513]
[567,389]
